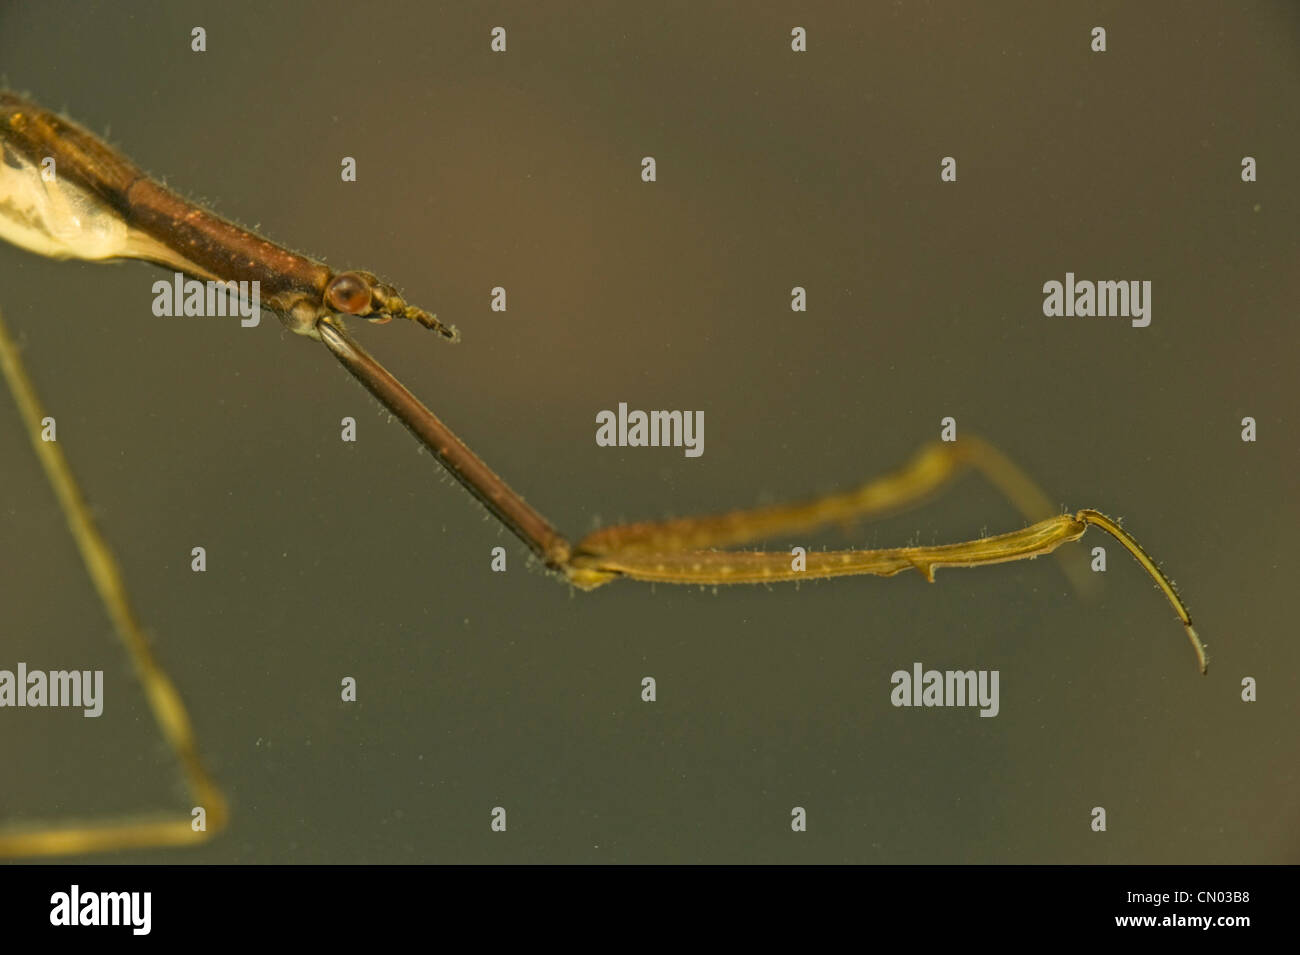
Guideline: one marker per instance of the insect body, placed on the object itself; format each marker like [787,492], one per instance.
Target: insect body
[100,205]
[64,193]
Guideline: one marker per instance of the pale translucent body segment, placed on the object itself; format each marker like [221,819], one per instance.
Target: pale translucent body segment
[62,219]
[59,218]
[164,700]
[1000,471]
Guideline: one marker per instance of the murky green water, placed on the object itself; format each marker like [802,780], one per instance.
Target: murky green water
[478,689]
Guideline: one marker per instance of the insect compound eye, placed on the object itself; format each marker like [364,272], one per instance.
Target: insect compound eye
[349,293]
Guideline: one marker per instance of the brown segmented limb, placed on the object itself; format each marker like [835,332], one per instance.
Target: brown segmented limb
[684,550]
[452,453]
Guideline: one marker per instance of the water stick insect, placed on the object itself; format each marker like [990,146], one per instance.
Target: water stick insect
[66,194]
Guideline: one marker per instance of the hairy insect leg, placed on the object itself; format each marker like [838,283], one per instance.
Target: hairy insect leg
[164,700]
[930,471]
[750,567]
